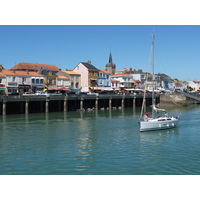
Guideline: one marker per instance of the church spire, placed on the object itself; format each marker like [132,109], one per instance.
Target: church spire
[110,58]
[110,66]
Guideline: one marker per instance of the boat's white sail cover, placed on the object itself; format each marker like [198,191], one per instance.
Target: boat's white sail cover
[158,109]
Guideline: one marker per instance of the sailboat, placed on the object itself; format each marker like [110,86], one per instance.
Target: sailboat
[155,123]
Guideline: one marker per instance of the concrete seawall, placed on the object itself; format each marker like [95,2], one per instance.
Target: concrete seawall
[174,100]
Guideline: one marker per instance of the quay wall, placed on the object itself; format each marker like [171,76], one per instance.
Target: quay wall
[55,103]
[174,100]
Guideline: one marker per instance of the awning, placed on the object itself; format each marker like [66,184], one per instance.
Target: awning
[2,88]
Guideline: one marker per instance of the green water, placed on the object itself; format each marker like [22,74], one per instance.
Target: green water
[98,142]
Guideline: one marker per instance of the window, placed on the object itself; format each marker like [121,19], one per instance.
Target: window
[13,79]
[142,76]
[23,79]
[33,81]
[71,78]
[41,81]
[37,81]
[50,81]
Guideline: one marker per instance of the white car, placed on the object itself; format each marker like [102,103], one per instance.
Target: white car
[27,94]
[40,93]
[95,94]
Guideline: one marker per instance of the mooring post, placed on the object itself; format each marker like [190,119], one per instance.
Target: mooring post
[110,103]
[134,101]
[47,103]
[123,100]
[81,104]
[4,108]
[26,106]
[65,104]
[96,103]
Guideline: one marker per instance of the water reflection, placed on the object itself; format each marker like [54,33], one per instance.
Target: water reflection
[160,134]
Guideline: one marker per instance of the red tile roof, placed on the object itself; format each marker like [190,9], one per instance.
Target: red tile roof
[121,75]
[113,80]
[71,72]
[19,73]
[105,71]
[34,66]
[180,82]
[62,77]
[1,75]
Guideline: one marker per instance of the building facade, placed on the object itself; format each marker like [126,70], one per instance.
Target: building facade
[89,76]
[125,80]
[47,71]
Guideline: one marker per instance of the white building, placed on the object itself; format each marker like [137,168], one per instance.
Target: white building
[125,80]
[22,81]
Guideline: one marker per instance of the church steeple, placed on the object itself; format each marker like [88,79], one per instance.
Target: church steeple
[110,58]
[110,66]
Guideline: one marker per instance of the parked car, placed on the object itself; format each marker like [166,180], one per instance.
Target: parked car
[80,93]
[55,93]
[91,93]
[69,93]
[13,93]
[40,93]
[27,94]
[107,92]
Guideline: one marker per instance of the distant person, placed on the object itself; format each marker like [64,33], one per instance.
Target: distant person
[146,117]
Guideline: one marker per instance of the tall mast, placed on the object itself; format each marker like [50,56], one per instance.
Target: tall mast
[153,76]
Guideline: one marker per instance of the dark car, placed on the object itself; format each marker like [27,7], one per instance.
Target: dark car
[80,93]
[13,93]
[107,92]
[69,93]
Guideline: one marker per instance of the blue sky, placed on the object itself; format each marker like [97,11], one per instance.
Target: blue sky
[177,48]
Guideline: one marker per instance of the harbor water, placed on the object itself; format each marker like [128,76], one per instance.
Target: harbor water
[98,143]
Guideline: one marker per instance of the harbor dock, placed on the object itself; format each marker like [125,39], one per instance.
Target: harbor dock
[61,103]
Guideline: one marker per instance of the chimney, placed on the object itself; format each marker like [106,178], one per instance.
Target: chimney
[27,71]
[89,61]
[131,70]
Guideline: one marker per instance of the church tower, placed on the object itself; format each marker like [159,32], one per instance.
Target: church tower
[110,66]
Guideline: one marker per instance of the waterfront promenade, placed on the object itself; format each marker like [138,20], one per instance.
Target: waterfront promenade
[58,103]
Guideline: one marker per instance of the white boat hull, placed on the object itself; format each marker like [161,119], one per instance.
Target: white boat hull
[158,123]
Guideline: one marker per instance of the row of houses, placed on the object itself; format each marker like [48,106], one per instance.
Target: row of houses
[30,77]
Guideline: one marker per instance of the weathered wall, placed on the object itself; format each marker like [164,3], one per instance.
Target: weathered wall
[175,99]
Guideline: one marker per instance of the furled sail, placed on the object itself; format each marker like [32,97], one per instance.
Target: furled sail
[158,109]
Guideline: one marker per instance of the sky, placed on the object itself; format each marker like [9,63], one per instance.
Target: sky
[177,47]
